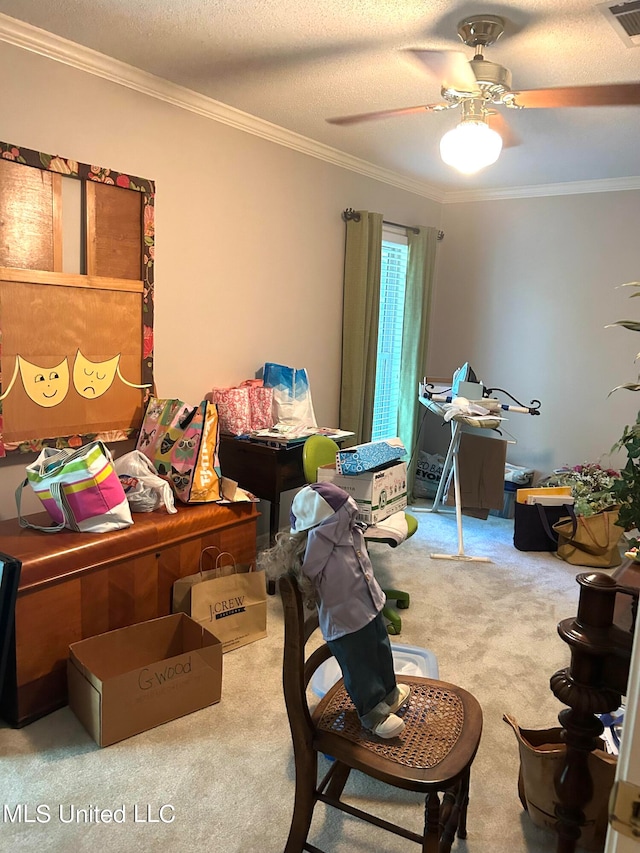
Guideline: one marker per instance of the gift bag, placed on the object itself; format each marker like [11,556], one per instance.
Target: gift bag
[541,754]
[234,410]
[590,540]
[182,443]
[260,404]
[229,600]
[79,488]
[292,403]
[245,408]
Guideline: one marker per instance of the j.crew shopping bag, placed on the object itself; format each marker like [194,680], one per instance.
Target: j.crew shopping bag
[230,601]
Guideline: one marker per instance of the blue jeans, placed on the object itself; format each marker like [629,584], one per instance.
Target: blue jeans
[366,662]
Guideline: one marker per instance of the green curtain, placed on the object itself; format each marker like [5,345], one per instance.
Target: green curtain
[417,308]
[361,308]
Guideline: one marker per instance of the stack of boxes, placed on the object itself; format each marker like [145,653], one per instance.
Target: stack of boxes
[373,475]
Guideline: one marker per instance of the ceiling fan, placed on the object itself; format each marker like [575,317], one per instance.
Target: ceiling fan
[476,86]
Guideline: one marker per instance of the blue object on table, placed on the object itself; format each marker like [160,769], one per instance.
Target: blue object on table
[369,456]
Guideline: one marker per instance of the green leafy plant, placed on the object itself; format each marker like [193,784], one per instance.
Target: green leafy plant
[592,486]
[627,488]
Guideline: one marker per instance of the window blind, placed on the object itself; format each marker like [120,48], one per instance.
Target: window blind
[393,279]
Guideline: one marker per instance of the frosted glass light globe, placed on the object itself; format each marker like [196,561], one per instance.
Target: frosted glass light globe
[470,146]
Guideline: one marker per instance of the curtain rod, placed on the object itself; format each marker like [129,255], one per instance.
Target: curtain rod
[352,215]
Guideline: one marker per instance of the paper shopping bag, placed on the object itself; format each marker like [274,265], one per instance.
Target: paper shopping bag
[542,753]
[230,601]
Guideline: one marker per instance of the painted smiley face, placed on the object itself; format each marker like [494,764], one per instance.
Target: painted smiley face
[92,379]
[46,386]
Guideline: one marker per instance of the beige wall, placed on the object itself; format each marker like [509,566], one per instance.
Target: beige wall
[249,264]
[249,239]
[525,288]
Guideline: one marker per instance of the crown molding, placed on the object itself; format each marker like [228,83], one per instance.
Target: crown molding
[604,185]
[51,46]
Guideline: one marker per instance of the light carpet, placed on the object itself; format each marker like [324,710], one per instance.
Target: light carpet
[226,772]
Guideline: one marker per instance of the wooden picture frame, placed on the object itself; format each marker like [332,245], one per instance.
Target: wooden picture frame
[76,348]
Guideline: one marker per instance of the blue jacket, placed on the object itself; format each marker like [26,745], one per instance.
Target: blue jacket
[337,562]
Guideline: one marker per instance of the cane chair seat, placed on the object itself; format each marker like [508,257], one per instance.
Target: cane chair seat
[432,755]
[433,718]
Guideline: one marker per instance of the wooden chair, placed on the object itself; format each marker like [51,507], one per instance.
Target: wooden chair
[321,450]
[432,755]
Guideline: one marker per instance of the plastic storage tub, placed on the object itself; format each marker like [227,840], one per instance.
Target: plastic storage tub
[407,660]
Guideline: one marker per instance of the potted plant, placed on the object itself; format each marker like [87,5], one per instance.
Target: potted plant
[627,487]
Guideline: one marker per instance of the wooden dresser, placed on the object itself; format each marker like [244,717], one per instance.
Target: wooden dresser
[76,585]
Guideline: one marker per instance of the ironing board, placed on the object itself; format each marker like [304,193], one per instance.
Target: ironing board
[441,405]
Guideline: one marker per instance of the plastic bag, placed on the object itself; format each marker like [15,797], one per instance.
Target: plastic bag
[292,404]
[428,473]
[144,489]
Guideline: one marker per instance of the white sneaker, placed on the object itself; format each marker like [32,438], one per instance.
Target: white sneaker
[404,691]
[390,727]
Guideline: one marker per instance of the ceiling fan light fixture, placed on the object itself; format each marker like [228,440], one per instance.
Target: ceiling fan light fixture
[470,146]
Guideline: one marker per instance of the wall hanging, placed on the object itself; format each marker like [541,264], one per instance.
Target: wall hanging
[76,301]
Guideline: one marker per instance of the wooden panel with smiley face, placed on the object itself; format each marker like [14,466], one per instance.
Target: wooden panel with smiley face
[71,358]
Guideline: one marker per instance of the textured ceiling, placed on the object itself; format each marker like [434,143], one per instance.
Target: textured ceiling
[297,63]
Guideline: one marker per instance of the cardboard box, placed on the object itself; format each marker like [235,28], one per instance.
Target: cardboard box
[378,493]
[370,456]
[129,680]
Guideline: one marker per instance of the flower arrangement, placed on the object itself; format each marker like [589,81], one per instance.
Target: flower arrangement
[592,486]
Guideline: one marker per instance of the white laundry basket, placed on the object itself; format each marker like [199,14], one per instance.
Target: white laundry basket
[407,660]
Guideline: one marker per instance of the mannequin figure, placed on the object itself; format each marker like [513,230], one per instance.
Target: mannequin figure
[326,552]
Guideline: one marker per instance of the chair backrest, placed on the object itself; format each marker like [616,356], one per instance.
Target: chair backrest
[296,671]
[317,450]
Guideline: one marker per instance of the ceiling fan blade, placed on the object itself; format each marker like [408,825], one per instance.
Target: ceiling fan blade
[610,95]
[451,67]
[401,111]
[498,123]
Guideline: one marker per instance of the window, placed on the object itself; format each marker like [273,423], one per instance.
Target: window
[393,278]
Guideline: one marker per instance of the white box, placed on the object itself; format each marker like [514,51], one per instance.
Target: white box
[551,500]
[378,493]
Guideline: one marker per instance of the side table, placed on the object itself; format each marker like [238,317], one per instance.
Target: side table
[262,470]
